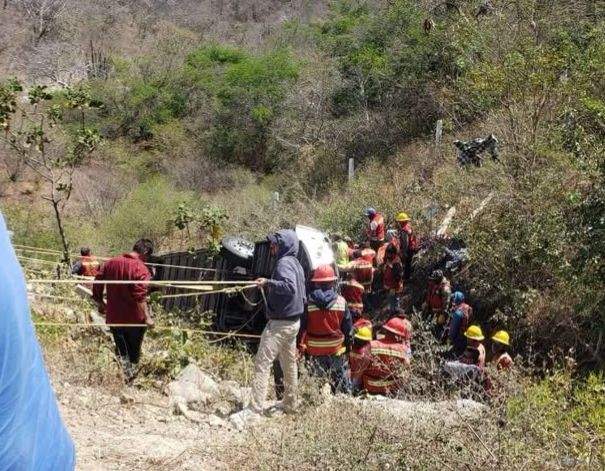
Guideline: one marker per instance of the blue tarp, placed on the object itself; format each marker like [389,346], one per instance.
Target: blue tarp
[32,434]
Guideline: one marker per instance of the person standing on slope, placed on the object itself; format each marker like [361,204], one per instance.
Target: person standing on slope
[286,298]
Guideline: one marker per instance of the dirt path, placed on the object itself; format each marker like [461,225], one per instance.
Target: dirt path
[136,430]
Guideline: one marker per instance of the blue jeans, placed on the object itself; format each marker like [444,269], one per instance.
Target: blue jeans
[334,368]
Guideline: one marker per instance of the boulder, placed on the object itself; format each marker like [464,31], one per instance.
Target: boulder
[192,388]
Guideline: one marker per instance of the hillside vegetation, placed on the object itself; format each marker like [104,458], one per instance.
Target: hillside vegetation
[203,110]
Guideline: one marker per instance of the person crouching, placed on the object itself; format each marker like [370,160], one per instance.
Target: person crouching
[326,330]
[390,356]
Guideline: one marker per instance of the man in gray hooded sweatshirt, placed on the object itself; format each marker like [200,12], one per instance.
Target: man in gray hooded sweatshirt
[286,299]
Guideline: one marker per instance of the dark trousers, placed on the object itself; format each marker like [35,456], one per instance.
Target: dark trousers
[335,369]
[128,342]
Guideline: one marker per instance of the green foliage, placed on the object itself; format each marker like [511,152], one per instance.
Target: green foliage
[145,212]
[246,92]
[557,404]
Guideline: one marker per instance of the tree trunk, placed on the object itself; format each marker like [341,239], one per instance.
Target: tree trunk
[64,243]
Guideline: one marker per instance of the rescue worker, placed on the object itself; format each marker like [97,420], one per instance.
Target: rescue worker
[359,356]
[390,355]
[327,328]
[392,277]
[461,315]
[437,301]
[500,344]
[342,251]
[352,291]
[362,267]
[375,231]
[126,303]
[407,242]
[474,353]
[87,265]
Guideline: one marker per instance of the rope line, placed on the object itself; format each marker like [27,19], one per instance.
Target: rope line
[158,328]
[25,248]
[182,284]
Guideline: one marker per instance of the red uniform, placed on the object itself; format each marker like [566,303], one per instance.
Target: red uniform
[353,291]
[389,357]
[324,335]
[360,359]
[376,230]
[90,266]
[408,244]
[363,271]
[123,301]
[392,275]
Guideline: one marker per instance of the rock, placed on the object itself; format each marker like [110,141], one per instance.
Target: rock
[224,409]
[244,418]
[215,421]
[193,385]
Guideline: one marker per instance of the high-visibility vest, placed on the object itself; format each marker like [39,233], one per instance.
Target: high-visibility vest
[90,266]
[363,271]
[342,253]
[353,291]
[389,357]
[376,231]
[434,296]
[324,336]
[388,279]
[359,360]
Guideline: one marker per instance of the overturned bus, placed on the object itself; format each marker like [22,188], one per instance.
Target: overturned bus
[237,260]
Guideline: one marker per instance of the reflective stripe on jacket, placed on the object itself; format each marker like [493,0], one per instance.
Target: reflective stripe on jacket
[363,271]
[324,334]
[353,291]
[359,360]
[389,357]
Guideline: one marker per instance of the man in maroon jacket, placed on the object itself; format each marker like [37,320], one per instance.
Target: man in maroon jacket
[126,303]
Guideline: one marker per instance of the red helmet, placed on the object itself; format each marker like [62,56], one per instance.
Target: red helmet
[398,326]
[324,274]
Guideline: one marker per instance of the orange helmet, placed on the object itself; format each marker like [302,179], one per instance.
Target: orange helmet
[324,274]
[398,326]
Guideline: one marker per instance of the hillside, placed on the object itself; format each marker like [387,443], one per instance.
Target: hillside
[172,119]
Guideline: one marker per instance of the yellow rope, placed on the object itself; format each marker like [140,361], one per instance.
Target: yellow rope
[38,260]
[159,328]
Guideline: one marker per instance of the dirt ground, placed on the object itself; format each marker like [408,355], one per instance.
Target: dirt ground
[134,429]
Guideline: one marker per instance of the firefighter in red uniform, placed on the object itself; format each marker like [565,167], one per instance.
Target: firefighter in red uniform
[352,291]
[390,355]
[437,302]
[327,328]
[407,242]
[362,267]
[392,277]
[376,230]
[88,265]
[359,356]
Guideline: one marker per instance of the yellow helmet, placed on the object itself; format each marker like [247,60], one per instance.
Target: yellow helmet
[474,333]
[501,337]
[402,217]
[364,333]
